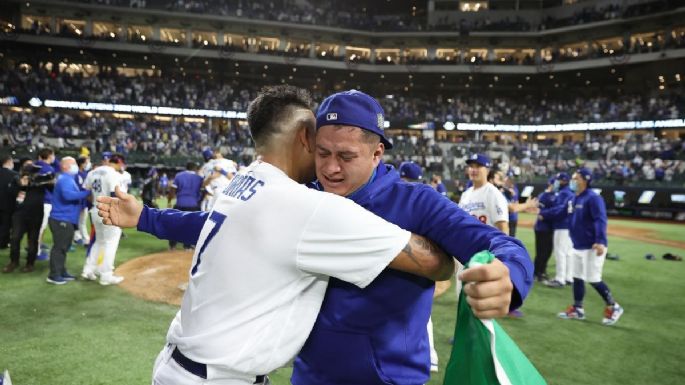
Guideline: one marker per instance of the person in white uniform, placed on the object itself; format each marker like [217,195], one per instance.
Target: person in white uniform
[102,181]
[265,253]
[483,200]
[219,179]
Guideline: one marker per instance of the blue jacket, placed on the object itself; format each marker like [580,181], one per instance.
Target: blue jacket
[45,169]
[559,213]
[588,224]
[188,189]
[66,199]
[546,200]
[378,335]
[513,198]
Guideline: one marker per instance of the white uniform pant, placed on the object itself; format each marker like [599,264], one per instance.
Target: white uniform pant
[168,372]
[587,265]
[82,233]
[563,249]
[47,208]
[434,353]
[104,249]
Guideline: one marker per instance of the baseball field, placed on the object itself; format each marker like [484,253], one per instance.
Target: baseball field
[84,333]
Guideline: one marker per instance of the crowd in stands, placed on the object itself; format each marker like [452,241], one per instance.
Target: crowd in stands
[111,87]
[352,15]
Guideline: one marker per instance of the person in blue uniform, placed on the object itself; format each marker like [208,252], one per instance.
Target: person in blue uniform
[559,215]
[588,229]
[543,233]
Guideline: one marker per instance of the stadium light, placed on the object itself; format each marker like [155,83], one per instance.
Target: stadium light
[449,126]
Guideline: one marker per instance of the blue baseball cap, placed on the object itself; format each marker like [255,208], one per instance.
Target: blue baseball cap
[563,176]
[551,180]
[410,170]
[479,159]
[353,108]
[207,153]
[585,173]
[106,155]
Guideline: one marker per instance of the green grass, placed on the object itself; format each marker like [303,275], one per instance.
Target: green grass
[82,333]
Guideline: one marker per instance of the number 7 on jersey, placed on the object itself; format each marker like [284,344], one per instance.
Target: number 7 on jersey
[218,220]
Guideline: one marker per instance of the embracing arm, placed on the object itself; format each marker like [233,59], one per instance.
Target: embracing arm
[124,211]
[422,257]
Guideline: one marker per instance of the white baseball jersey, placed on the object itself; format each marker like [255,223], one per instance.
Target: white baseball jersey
[125,181]
[215,187]
[487,204]
[261,268]
[102,180]
[223,163]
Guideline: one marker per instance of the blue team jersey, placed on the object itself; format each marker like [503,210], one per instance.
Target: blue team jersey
[378,335]
[588,222]
[188,189]
[513,198]
[559,213]
[545,200]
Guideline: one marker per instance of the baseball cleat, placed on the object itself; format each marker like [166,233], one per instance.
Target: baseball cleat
[611,314]
[111,280]
[89,276]
[554,284]
[434,368]
[572,312]
[68,277]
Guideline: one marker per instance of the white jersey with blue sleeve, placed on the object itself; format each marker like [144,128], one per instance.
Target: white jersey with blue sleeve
[486,203]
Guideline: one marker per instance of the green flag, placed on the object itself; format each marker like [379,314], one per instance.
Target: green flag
[483,354]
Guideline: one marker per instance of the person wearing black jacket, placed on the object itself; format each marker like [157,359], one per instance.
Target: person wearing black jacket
[8,193]
[28,214]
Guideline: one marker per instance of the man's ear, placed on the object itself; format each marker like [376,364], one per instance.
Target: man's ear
[378,153]
[304,136]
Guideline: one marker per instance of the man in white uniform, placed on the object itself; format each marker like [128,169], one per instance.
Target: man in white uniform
[265,253]
[100,260]
[219,179]
[483,200]
[214,161]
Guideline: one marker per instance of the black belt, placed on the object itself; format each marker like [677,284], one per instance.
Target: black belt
[197,368]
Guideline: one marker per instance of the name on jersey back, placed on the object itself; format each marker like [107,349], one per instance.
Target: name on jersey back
[243,187]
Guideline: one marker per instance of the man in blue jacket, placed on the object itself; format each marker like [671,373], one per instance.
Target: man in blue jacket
[543,233]
[378,335]
[588,228]
[64,218]
[559,215]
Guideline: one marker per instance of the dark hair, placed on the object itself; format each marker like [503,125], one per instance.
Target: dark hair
[81,160]
[4,158]
[45,153]
[191,166]
[117,158]
[270,108]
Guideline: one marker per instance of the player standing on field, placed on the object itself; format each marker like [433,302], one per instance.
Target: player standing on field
[100,260]
[483,200]
[588,229]
[560,215]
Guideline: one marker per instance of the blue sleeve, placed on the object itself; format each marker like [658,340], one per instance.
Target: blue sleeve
[546,199]
[559,210]
[598,213]
[173,225]
[462,236]
[70,190]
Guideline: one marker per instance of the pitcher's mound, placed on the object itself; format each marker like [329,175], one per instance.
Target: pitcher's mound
[159,277]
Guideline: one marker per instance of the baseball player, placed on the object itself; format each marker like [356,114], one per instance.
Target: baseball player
[559,215]
[544,233]
[102,181]
[483,200]
[391,314]
[82,236]
[46,157]
[248,311]
[588,229]
[219,179]
[214,161]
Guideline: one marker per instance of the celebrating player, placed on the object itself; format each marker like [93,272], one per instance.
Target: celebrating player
[100,260]
[264,254]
